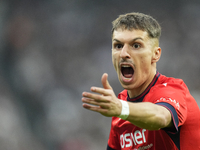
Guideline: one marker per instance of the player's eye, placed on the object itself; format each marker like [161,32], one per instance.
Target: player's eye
[118,46]
[136,45]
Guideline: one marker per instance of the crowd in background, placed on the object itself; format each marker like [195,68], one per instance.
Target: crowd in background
[51,51]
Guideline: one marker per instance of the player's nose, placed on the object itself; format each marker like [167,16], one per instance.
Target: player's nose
[124,54]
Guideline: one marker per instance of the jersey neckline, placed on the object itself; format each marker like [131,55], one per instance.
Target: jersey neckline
[146,91]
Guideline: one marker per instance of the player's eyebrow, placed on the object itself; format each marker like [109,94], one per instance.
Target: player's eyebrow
[135,39]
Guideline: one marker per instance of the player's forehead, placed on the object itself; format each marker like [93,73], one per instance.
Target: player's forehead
[128,35]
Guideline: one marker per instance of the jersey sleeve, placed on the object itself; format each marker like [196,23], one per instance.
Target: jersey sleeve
[173,97]
[174,116]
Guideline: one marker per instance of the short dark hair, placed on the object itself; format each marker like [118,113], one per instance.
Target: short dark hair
[138,21]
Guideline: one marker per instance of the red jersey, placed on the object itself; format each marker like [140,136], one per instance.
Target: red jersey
[174,95]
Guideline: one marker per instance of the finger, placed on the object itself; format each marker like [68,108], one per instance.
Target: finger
[89,101]
[94,97]
[104,81]
[90,107]
[94,102]
[101,91]
[95,108]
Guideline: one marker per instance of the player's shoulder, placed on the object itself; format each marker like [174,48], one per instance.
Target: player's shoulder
[168,85]
[169,82]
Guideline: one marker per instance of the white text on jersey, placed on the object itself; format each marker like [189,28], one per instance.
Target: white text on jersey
[128,139]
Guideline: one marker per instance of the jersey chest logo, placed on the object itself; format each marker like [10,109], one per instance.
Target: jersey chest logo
[134,140]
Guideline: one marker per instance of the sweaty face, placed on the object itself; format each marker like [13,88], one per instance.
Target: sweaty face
[133,58]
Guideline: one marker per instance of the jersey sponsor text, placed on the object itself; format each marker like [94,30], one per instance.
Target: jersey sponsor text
[128,139]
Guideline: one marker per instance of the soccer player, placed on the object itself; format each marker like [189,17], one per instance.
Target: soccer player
[154,112]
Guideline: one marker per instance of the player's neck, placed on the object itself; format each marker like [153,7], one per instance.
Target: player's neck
[137,91]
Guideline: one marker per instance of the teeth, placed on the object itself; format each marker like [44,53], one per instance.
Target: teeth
[127,79]
[126,66]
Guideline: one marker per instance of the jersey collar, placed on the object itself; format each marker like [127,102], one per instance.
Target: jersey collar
[146,91]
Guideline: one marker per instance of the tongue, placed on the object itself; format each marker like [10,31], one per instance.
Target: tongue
[127,72]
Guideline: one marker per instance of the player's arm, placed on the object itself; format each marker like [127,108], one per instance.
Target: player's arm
[144,115]
[149,116]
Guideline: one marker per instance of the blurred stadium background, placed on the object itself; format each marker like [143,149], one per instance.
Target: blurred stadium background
[51,51]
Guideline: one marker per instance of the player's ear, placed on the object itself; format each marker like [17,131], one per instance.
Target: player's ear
[156,54]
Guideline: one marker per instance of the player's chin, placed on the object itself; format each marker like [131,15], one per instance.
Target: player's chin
[127,87]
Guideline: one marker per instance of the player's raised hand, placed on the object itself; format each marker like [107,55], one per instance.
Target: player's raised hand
[102,100]
[104,81]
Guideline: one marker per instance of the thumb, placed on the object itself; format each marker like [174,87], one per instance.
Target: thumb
[104,81]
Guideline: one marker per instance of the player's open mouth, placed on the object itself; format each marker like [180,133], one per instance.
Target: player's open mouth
[127,72]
